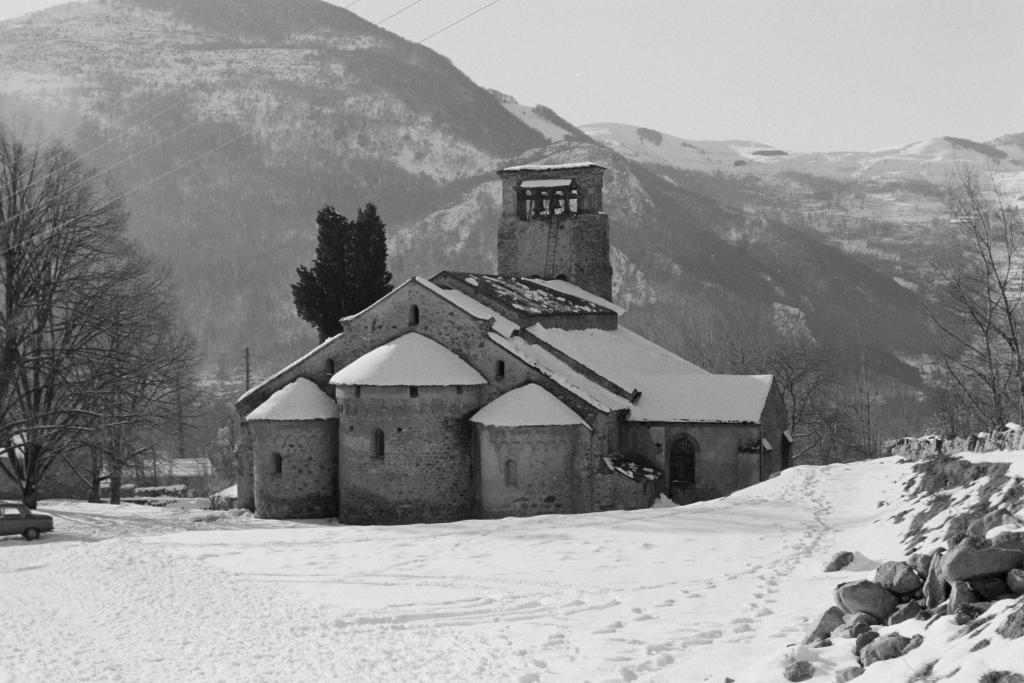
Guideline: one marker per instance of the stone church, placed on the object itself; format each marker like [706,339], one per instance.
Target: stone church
[473,396]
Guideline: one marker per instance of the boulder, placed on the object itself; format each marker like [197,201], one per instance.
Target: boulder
[861,618]
[848,674]
[863,640]
[956,528]
[799,670]
[920,562]
[990,520]
[839,560]
[828,622]
[934,585]
[883,647]
[850,630]
[1015,581]
[970,611]
[915,642]
[1009,540]
[960,595]
[906,612]
[898,577]
[973,558]
[1013,626]
[866,596]
[989,587]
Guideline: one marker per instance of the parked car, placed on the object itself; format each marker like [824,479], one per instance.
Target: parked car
[16,518]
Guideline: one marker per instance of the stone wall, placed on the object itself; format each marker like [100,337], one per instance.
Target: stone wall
[440,427]
[581,253]
[426,472]
[545,478]
[720,466]
[306,487]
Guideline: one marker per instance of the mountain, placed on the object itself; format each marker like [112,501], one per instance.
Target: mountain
[316,106]
[884,207]
[233,121]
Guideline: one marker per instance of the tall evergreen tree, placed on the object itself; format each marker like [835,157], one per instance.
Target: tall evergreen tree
[348,273]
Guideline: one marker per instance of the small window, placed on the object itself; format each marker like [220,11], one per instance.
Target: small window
[276,462]
[378,444]
[414,315]
[458,390]
[499,370]
[359,391]
[414,392]
[330,367]
[511,475]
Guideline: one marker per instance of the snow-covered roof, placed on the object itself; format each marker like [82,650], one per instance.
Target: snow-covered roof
[621,356]
[575,290]
[529,405]
[551,182]
[671,389]
[470,305]
[702,398]
[412,360]
[529,296]
[551,167]
[300,400]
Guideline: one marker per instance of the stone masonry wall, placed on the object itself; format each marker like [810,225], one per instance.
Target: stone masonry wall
[581,252]
[426,472]
[720,467]
[546,480]
[306,487]
[464,334]
[582,248]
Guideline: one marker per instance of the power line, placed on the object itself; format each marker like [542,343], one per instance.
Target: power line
[124,194]
[458,21]
[395,14]
[89,179]
[82,156]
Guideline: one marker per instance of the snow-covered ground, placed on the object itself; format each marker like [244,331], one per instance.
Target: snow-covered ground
[692,593]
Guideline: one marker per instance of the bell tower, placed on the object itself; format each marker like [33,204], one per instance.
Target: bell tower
[552,225]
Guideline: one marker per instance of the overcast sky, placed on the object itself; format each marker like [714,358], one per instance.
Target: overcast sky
[798,74]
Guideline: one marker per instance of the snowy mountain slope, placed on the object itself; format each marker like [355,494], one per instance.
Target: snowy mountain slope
[269,110]
[693,593]
[270,115]
[929,159]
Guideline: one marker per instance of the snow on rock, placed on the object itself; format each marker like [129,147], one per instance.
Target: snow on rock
[300,400]
[529,405]
[412,360]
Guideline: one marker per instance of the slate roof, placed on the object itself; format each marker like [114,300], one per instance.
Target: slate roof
[529,296]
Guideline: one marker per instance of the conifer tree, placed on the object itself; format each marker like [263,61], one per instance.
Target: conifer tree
[348,273]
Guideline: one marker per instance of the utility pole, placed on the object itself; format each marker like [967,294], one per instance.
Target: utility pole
[248,375]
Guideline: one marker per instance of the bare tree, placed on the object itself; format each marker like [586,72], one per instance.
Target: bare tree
[68,274]
[979,304]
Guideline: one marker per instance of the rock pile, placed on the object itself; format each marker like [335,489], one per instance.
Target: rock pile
[962,582]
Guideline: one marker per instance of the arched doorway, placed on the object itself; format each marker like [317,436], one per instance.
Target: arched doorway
[682,468]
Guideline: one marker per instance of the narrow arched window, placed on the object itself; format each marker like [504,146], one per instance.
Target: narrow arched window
[414,315]
[358,391]
[276,463]
[511,475]
[330,367]
[499,369]
[378,444]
